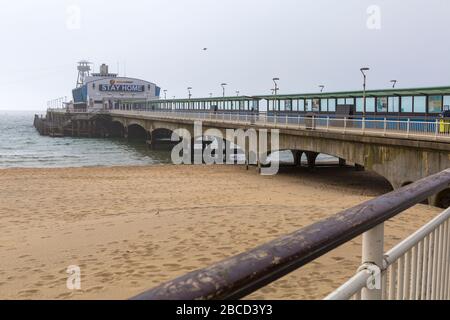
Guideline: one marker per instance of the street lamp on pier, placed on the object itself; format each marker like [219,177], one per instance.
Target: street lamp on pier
[394,82]
[363,71]
[223,88]
[189,92]
[275,92]
[165,94]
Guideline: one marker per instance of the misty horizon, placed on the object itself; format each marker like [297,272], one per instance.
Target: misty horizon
[304,43]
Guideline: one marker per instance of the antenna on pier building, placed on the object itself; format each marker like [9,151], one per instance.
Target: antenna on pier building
[84,69]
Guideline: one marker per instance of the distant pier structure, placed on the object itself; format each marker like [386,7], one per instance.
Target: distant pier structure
[93,93]
[402,146]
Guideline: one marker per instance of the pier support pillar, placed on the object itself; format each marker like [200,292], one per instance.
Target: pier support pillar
[311,157]
[150,140]
[342,162]
[297,158]
[89,123]
[78,128]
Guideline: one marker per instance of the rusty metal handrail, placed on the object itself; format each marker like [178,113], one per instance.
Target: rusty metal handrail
[238,276]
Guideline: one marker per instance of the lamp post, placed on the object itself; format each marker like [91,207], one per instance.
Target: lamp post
[363,71]
[165,94]
[275,92]
[190,95]
[394,82]
[237,93]
[321,88]
[223,88]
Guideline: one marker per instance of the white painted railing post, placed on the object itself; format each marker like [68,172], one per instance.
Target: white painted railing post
[372,254]
[328,123]
[436,131]
[408,128]
[385,127]
[363,125]
[345,124]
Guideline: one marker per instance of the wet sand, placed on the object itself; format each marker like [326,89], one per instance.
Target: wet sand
[130,229]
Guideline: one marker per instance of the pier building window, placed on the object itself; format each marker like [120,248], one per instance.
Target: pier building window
[316,105]
[282,105]
[331,105]
[341,101]
[350,101]
[393,104]
[446,103]
[308,105]
[435,104]
[295,105]
[324,105]
[288,105]
[359,105]
[382,104]
[301,105]
[370,104]
[420,104]
[407,104]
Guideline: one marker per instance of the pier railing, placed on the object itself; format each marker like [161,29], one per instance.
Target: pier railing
[427,130]
[417,268]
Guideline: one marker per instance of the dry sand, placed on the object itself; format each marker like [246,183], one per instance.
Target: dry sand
[130,229]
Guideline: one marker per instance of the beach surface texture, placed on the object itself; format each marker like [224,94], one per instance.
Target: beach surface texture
[129,229]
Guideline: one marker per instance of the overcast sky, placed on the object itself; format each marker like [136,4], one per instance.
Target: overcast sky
[303,42]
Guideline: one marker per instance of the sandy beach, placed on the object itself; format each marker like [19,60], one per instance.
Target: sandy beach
[130,229]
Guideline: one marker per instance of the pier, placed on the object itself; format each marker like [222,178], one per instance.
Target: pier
[402,152]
